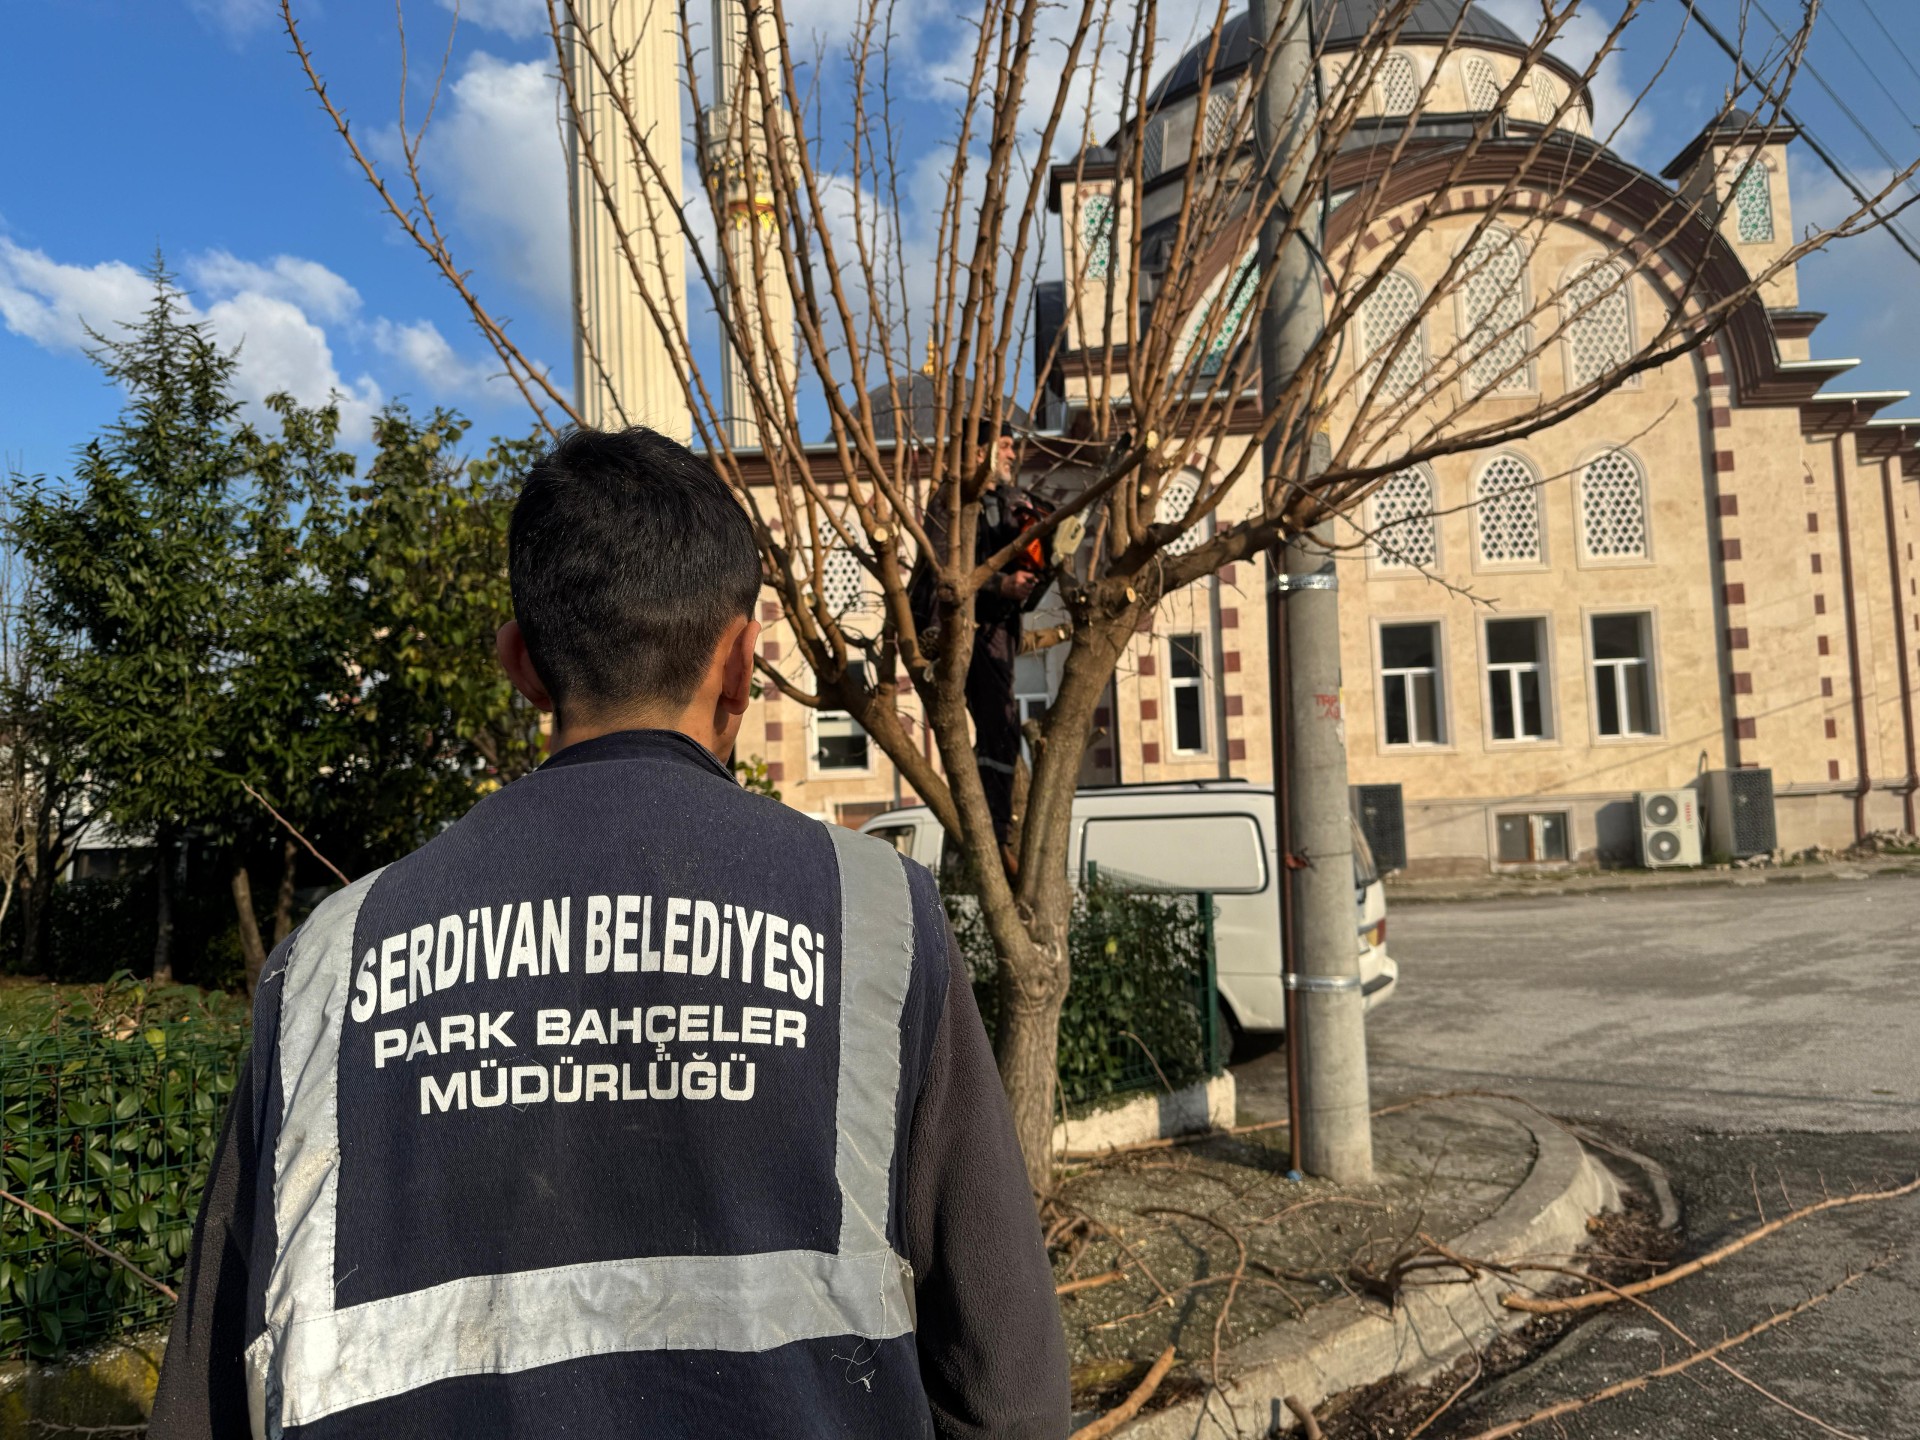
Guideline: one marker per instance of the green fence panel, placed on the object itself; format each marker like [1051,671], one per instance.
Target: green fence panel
[113,1134]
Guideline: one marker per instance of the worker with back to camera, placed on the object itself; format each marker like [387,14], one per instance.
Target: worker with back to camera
[633,1103]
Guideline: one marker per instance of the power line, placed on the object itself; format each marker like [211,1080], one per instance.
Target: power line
[1806,63]
[1833,19]
[1892,44]
[1826,156]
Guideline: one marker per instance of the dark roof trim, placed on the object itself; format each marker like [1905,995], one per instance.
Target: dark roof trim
[1736,127]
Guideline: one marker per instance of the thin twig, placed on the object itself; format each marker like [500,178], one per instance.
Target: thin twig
[1532,1305]
[1129,1407]
[1090,1282]
[1640,1382]
[91,1244]
[1303,1412]
[296,834]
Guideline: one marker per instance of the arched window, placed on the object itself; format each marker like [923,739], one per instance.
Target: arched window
[1599,311]
[1153,148]
[1096,234]
[1507,497]
[1399,84]
[1223,114]
[1483,86]
[1405,529]
[1175,501]
[1387,315]
[1613,508]
[1753,197]
[1546,99]
[842,579]
[1494,297]
[1235,295]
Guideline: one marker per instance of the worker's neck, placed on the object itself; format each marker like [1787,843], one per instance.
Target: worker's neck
[570,730]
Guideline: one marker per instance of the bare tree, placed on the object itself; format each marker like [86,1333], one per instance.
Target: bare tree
[1155,357]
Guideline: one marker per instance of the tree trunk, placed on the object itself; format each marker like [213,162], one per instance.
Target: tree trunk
[163,908]
[1028,1056]
[34,913]
[250,946]
[283,902]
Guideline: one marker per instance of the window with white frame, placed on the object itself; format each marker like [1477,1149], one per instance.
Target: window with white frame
[1530,839]
[1494,299]
[1412,711]
[1517,701]
[1599,313]
[1096,231]
[839,744]
[1483,85]
[1613,508]
[1623,680]
[1391,312]
[1406,532]
[1030,694]
[1753,199]
[1507,499]
[1187,694]
[1399,84]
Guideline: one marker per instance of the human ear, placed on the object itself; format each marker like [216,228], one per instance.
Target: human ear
[736,684]
[511,646]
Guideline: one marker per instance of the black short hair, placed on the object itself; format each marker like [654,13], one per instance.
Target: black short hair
[628,557]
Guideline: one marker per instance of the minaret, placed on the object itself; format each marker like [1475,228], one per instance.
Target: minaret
[741,127]
[623,364]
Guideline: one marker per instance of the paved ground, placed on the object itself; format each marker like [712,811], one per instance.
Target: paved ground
[1762,1043]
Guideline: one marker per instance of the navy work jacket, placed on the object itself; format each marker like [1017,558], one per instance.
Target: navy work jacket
[633,1103]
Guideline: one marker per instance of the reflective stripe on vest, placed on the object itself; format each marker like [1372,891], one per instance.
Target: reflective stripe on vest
[314,1360]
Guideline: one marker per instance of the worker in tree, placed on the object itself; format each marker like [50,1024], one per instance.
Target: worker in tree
[1006,513]
[634,1103]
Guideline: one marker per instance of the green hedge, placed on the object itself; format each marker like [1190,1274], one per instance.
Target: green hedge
[1140,1013]
[110,1114]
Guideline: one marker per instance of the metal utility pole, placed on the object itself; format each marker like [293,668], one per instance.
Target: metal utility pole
[1326,1032]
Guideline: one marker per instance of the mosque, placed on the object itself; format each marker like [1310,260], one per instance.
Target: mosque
[1704,583]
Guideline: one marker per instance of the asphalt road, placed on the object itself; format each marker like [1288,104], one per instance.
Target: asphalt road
[1763,1043]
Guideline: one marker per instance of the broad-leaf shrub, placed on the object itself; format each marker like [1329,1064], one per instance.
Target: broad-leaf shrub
[110,1114]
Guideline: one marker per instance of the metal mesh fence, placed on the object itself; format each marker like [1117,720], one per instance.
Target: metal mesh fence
[113,1134]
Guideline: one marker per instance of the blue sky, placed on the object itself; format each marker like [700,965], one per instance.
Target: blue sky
[192,133]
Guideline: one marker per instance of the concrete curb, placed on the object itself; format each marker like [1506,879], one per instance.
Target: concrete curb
[1201,1106]
[1342,1344]
[1441,892]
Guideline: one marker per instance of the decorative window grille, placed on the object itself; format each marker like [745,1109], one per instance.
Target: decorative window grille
[1175,501]
[1753,197]
[842,581]
[1613,508]
[1236,295]
[1223,113]
[1507,497]
[1096,229]
[1546,99]
[1389,311]
[1153,149]
[1399,85]
[1483,86]
[1405,529]
[1497,337]
[1599,322]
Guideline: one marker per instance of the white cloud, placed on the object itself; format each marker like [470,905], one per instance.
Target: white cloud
[55,305]
[499,147]
[305,283]
[432,359]
[239,18]
[521,19]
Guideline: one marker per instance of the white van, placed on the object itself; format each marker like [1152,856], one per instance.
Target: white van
[1212,835]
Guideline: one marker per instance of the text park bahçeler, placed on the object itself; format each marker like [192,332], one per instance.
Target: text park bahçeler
[696,937]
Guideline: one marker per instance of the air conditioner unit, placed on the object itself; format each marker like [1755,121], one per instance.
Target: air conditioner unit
[1669,828]
[1740,818]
